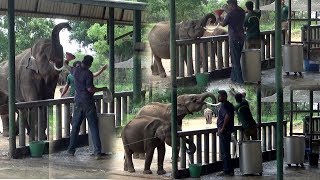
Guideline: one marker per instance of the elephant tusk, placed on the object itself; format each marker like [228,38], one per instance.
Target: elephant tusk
[58,69]
[213,104]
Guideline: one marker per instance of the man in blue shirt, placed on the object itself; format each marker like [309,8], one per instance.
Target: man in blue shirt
[234,20]
[225,124]
[84,106]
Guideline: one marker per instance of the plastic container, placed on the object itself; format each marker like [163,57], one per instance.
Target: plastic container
[202,79]
[195,170]
[292,57]
[250,157]
[251,65]
[294,149]
[36,148]
[107,131]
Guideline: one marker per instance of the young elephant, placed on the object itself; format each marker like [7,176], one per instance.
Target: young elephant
[142,135]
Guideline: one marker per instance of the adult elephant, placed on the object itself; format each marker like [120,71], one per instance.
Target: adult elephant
[159,39]
[142,135]
[37,72]
[186,104]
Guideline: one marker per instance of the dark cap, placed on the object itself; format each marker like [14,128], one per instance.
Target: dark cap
[223,93]
[232,1]
[87,60]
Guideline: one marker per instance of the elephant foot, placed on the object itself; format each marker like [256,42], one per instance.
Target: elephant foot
[163,75]
[142,156]
[125,168]
[161,171]
[148,171]
[131,170]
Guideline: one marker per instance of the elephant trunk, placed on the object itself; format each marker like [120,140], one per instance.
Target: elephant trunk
[204,20]
[56,54]
[206,95]
[192,147]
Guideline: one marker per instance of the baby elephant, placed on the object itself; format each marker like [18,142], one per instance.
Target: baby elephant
[208,113]
[142,135]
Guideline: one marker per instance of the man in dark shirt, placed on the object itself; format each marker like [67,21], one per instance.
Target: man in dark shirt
[252,27]
[225,124]
[235,19]
[245,117]
[84,106]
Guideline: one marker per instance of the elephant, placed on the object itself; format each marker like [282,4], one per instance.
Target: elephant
[208,114]
[142,135]
[186,104]
[37,72]
[159,39]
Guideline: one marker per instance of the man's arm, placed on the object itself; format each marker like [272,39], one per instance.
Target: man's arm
[100,71]
[225,22]
[225,122]
[65,90]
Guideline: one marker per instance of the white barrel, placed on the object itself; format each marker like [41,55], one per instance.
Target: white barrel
[294,148]
[250,157]
[292,55]
[107,131]
[251,65]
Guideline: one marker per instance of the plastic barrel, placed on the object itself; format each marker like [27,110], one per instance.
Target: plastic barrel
[195,170]
[36,148]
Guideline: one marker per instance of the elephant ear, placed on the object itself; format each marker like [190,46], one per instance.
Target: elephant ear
[150,131]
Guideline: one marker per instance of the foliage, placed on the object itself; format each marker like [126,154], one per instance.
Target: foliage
[27,32]
[79,32]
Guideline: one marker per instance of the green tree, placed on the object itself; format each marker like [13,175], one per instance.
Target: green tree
[28,31]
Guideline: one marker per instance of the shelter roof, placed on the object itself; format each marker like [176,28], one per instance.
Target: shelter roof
[84,10]
[296,5]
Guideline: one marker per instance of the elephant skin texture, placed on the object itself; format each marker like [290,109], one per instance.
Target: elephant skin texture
[37,72]
[142,135]
[159,39]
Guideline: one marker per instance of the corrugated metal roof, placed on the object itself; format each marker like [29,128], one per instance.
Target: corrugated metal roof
[84,10]
[296,5]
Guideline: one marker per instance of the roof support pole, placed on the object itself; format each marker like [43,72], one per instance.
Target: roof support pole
[111,54]
[11,83]
[279,90]
[173,88]
[136,57]
[289,22]
[257,4]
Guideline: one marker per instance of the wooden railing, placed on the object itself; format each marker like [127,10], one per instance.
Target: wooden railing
[56,112]
[212,53]
[314,39]
[206,141]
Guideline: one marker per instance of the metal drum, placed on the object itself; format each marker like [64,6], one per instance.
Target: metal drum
[107,131]
[294,149]
[251,65]
[292,58]
[250,157]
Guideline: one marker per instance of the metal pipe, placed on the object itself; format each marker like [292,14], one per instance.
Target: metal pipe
[111,55]
[279,90]
[173,88]
[259,108]
[289,22]
[136,58]
[11,82]
[291,112]
[257,4]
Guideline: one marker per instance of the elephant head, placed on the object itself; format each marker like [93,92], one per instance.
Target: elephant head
[163,132]
[194,28]
[189,103]
[49,50]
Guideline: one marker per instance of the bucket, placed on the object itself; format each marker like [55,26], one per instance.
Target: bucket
[195,170]
[36,148]
[202,79]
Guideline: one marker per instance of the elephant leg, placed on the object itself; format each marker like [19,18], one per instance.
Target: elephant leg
[161,152]
[135,155]
[147,162]
[5,125]
[128,161]
[161,69]
[125,165]
[154,69]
